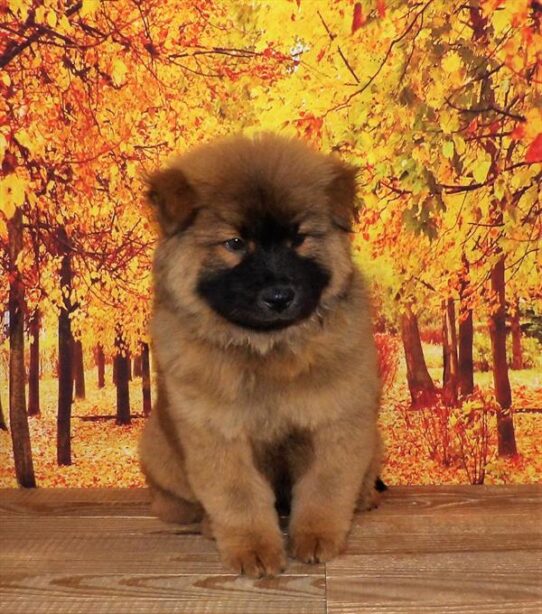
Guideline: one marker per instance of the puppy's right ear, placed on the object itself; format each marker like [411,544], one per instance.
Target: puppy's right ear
[173,199]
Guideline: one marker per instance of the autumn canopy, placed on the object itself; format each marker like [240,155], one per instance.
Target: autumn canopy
[439,105]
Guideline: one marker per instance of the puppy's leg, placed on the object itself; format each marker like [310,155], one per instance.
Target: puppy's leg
[172,499]
[324,497]
[238,500]
[372,487]
[172,509]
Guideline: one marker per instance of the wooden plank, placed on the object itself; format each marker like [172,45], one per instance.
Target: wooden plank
[134,553]
[412,533]
[445,582]
[172,587]
[59,543]
[443,550]
[151,605]
[452,500]
[427,500]
[75,501]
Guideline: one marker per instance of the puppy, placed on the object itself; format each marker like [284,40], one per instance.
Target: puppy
[268,390]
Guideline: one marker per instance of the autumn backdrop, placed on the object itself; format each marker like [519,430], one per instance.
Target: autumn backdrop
[437,102]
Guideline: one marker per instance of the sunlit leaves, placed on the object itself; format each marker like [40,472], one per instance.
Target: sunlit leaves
[481,169]
[118,72]
[451,62]
[448,149]
[12,192]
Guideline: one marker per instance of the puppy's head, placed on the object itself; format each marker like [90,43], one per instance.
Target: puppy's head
[254,234]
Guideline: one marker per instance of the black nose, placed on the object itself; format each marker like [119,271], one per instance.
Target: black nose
[276,298]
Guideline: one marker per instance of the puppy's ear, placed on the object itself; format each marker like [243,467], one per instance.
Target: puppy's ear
[342,191]
[173,199]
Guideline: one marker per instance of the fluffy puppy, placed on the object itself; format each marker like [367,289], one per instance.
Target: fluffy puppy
[268,389]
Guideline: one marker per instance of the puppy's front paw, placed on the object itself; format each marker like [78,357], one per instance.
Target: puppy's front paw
[254,556]
[316,547]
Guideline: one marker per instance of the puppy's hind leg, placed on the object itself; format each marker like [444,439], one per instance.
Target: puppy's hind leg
[172,509]
[372,486]
[172,499]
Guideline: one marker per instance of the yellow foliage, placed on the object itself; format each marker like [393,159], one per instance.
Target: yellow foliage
[426,99]
[451,62]
[12,192]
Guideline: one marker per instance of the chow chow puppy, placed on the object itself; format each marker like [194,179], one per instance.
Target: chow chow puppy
[268,389]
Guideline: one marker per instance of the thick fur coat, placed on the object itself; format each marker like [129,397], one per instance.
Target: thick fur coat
[268,390]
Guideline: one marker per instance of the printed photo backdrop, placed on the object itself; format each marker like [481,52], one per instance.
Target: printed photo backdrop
[437,102]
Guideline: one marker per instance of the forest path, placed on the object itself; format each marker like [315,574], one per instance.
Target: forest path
[426,549]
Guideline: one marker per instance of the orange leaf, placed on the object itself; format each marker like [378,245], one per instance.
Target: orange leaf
[359,18]
[472,127]
[534,153]
[518,132]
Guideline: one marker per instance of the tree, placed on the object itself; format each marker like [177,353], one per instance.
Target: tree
[450,357]
[465,335]
[3,425]
[145,378]
[420,384]
[515,329]
[503,394]
[100,364]
[78,368]
[122,380]
[65,360]
[34,368]
[137,365]
[20,434]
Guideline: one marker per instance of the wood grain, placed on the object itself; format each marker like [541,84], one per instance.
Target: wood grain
[426,549]
[464,549]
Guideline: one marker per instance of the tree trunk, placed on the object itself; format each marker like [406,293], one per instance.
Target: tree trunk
[421,386]
[137,365]
[122,382]
[65,345]
[78,369]
[114,372]
[3,425]
[449,347]
[503,393]
[466,333]
[100,363]
[517,356]
[146,378]
[34,370]
[129,357]
[20,433]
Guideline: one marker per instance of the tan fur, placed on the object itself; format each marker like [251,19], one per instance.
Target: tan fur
[229,396]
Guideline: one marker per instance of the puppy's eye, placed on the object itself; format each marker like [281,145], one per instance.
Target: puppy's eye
[298,239]
[235,245]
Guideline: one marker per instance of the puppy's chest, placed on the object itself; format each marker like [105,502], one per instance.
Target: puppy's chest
[241,399]
[268,407]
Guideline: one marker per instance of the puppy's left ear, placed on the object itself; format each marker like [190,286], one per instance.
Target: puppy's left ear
[342,191]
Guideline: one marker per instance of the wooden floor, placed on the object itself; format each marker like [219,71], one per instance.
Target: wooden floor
[425,550]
